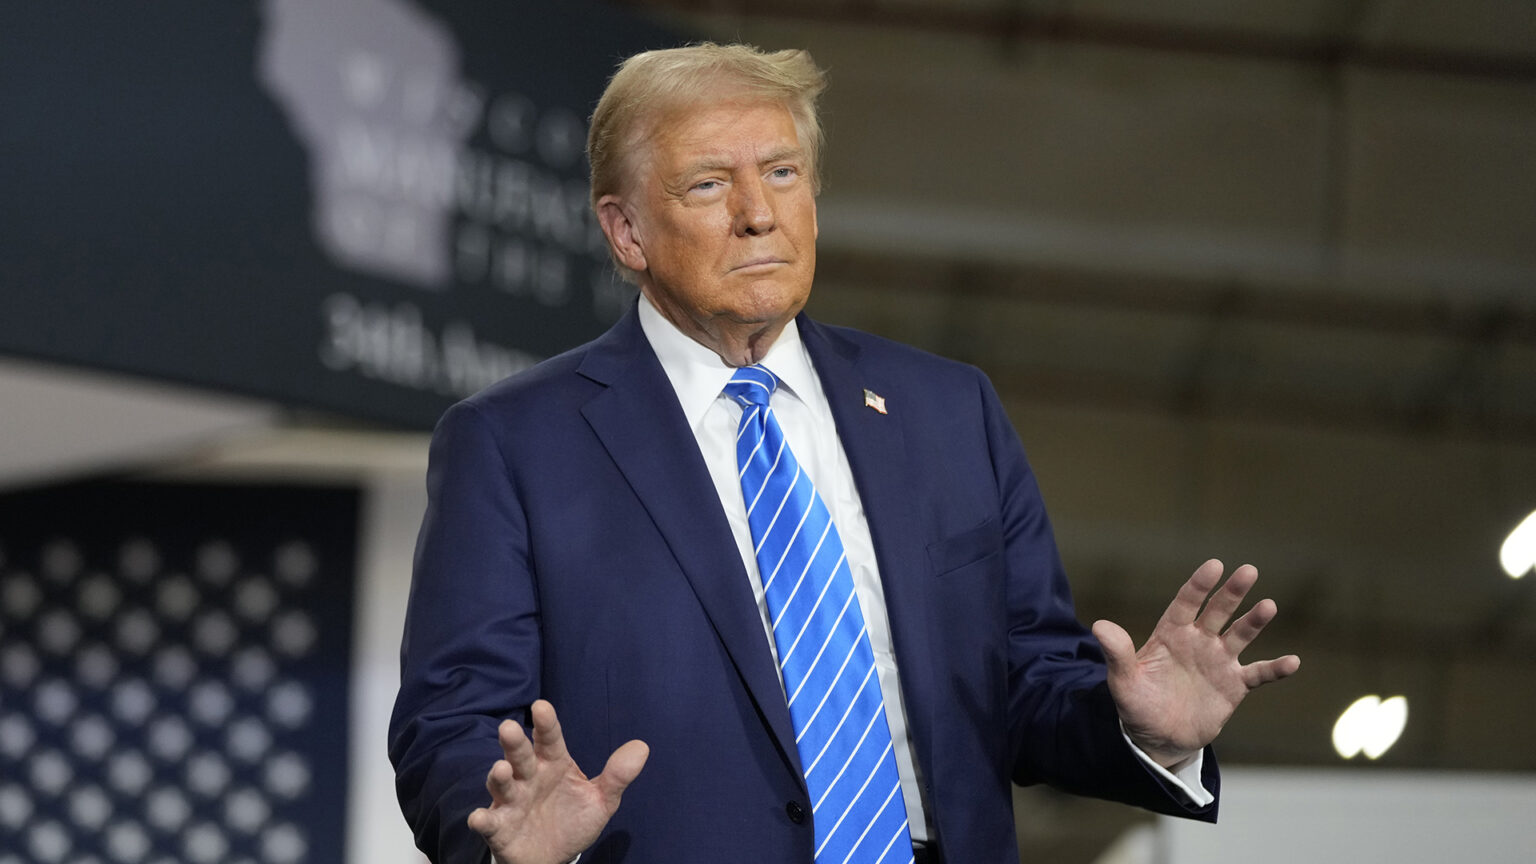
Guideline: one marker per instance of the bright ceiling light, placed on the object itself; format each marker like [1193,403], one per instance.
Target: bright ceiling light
[1518,554]
[1370,726]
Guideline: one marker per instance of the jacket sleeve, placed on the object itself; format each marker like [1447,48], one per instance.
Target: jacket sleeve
[1063,728]
[470,655]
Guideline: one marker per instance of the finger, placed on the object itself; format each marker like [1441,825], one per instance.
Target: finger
[1119,649]
[1267,671]
[517,749]
[1222,605]
[498,782]
[1186,604]
[622,769]
[482,823]
[548,739]
[1247,628]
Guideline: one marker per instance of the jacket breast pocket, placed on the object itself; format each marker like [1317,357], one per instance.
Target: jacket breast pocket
[978,548]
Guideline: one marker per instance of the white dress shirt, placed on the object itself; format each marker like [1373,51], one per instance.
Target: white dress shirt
[699,376]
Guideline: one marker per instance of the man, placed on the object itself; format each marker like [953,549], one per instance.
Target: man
[590,545]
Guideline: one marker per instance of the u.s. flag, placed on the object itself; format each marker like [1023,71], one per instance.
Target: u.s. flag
[174,674]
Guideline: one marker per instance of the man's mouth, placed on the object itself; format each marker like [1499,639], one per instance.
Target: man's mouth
[764,261]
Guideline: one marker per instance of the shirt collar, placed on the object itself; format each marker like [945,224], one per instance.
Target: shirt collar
[698,375]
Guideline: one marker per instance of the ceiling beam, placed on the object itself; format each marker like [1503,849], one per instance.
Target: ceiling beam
[1014,23]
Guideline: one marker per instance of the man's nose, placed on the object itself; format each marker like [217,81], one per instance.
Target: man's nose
[753,208]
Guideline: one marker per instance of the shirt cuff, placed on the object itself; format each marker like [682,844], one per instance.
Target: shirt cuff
[1184,777]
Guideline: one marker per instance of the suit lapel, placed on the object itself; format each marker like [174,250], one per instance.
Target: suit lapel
[636,411]
[882,471]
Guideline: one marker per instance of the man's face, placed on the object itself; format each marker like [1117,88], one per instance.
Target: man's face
[723,216]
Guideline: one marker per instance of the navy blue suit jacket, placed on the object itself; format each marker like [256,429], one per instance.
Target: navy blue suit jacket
[574,549]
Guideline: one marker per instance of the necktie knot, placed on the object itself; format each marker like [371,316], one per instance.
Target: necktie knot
[752,385]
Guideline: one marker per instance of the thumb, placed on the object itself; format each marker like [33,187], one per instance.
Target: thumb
[1119,650]
[622,769]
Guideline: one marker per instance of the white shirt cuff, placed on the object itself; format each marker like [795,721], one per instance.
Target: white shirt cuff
[1185,776]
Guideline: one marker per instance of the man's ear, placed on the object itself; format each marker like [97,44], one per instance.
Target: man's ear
[623,234]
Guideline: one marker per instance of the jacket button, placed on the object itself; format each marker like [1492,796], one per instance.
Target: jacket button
[795,811]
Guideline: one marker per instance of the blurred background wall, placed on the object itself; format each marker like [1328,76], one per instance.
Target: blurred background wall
[1256,281]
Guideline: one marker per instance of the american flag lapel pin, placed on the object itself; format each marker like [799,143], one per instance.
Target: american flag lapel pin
[874,400]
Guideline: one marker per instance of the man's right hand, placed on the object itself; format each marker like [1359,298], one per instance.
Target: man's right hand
[543,809]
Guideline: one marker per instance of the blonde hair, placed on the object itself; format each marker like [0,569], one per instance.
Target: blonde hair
[652,84]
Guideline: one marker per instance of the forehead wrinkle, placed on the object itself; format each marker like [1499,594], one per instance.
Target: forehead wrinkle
[794,153]
[724,162]
[711,162]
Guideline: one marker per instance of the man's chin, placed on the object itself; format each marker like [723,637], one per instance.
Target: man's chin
[766,301]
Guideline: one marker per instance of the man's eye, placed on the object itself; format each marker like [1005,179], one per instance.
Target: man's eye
[783,171]
[707,186]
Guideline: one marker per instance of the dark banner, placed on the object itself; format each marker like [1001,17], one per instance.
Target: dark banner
[370,206]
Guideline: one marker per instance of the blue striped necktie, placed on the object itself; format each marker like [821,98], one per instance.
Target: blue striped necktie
[824,654]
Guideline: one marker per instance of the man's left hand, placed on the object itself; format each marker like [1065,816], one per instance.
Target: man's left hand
[1177,692]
